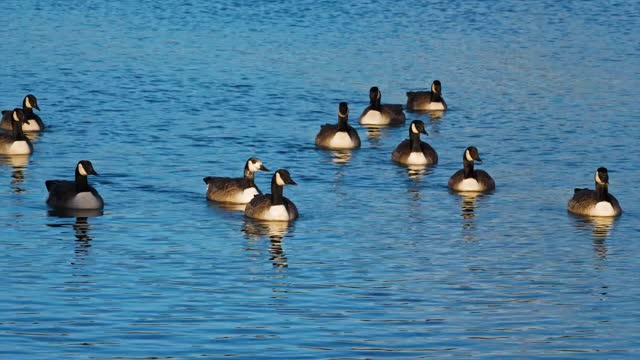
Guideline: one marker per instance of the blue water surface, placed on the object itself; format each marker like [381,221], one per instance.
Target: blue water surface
[384,262]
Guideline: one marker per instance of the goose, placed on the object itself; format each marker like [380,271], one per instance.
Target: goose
[427,100]
[33,122]
[413,151]
[381,114]
[16,143]
[78,194]
[596,202]
[274,206]
[468,179]
[235,190]
[341,135]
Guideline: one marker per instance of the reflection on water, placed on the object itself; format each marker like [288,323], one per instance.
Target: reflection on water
[600,227]
[18,164]
[81,228]
[341,156]
[275,231]
[418,171]
[374,133]
[468,203]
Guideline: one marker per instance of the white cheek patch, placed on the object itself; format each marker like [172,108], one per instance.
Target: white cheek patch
[15,116]
[468,155]
[279,180]
[341,114]
[254,166]
[433,87]
[413,128]
[81,170]
[28,103]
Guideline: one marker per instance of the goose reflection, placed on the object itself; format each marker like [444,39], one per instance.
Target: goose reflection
[468,204]
[341,156]
[600,227]
[18,164]
[275,231]
[81,227]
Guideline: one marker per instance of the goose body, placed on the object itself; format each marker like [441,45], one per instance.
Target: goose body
[274,206]
[596,202]
[427,100]
[15,142]
[33,122]
[468,179]
[77,194]
[235,190]
[413,151]
[341,135]
[381,114]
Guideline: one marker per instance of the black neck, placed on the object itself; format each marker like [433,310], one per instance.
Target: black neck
[28,112]
[602,192]
[435,97]
[342,123]
[468,168]
[18,134]
[414,141]
[375,104]
[276,193]
[82,184]
[249,176]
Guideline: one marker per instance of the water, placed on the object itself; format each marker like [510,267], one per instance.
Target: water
[383,262]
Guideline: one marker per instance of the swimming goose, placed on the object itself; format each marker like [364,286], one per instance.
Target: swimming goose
[32,120]
[274,206]
[235,190]
[426,100]
[413,151]
[379,114]
[340,135]
[468,179]
[596,202]
[15,143]
[76,194]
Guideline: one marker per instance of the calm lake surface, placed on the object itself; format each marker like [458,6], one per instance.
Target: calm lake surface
[383,262]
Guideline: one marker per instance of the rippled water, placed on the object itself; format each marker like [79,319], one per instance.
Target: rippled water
[383,262]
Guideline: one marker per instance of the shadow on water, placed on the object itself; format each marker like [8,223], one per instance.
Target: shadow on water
[18,164]
[275,230]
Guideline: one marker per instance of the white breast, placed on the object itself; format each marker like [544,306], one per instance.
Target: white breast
[247,195]
[277,212]
[469,184]
[417,158]
[341,140]
[31,125]
[19,148]
[433,106]
[603,208]
[85,200]
[374,117]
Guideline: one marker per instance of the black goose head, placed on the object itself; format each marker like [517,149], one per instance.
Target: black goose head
[18,116]
[343,110]
[30,102]
[282,178]
[375,96]
[254,164]
[602,176]
[417,127]
[436,87]
[471,154]
[85,168]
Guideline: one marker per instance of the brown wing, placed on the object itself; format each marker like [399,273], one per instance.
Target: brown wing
[225,188]
[456,178]
[325,134]
[429,152]
[257,206]
[401,152]
[485,180]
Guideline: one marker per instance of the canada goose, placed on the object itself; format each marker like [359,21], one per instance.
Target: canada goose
[596,202]
[468,179]
[235,190]
[76,194]
[273,206]
[426,100]
[413,151]
[381,114]
[15,143]
[340,135]
[32,120]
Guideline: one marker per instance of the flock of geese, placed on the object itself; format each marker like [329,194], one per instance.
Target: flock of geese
[77,194]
